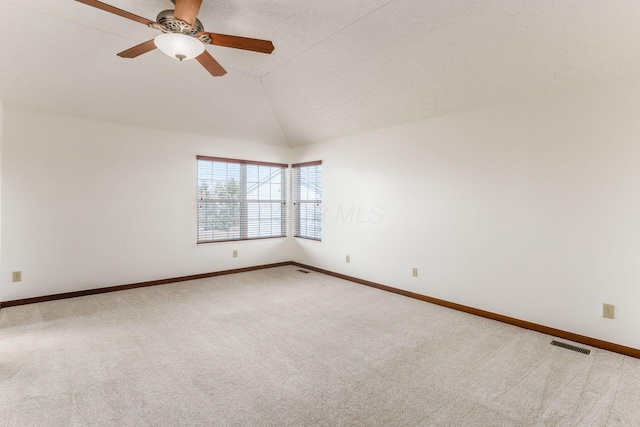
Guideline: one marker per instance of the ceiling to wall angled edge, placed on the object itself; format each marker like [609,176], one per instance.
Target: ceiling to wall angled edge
[338,67]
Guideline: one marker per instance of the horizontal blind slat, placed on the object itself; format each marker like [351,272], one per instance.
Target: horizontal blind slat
[308,200]
[240,200]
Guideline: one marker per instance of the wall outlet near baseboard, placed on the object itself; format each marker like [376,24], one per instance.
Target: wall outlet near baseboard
[347,259]
[414,272]
[16,276]
[608,311]
[235,254]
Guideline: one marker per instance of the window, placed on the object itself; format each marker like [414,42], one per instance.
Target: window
[240,200]
[307,200]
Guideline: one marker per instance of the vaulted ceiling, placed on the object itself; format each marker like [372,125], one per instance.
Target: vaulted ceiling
[339,67]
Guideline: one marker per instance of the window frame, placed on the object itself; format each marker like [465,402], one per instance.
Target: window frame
[245,223]
[297,202]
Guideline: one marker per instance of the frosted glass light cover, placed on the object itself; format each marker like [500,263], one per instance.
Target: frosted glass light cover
[179,45]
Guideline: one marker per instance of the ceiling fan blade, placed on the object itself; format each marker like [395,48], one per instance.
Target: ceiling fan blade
[138,50]
[187,10]
[211,64]
[108,8]
[254,45]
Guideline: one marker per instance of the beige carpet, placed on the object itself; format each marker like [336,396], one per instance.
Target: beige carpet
[278,347]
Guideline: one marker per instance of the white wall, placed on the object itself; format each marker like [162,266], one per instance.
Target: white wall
[89,204]
[1,139]
[530,210]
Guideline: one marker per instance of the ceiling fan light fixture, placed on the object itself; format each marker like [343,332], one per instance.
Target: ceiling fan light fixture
[179,46]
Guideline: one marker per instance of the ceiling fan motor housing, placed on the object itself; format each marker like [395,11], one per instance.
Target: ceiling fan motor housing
[173,25]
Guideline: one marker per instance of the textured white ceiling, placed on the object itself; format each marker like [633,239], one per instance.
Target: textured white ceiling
[339,67]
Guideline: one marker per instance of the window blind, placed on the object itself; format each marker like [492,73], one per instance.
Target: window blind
[240,200]
[307,200]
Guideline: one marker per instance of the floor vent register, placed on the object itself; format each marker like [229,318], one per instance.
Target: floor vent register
[570,347]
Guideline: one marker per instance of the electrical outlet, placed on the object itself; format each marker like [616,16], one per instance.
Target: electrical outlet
[608,311]
[17,276]
[415,272]
[347,259]
[235,254]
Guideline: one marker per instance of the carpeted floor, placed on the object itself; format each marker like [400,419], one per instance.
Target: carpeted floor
[277,347]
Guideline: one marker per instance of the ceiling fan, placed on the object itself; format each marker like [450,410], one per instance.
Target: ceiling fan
[183,36]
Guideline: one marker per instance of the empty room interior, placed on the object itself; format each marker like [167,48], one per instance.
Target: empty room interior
[337,213]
